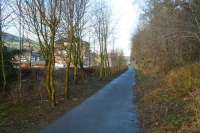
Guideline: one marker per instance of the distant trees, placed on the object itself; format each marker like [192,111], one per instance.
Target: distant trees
[118,61]
[168,36]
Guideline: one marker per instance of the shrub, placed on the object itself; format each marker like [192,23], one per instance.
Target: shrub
[195,105]
[183,80]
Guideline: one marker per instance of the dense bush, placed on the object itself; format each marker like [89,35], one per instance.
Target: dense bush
[168,38]
[167,47]
[183,80]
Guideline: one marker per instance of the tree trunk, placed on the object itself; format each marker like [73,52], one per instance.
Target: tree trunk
[67,75]
[76,73]
[50,86]
[67,95]
[53,91]
[48,81]
[76,55]
[52,63]
[2,62]
[2,51]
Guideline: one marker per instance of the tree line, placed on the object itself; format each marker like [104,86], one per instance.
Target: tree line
[168,36]
[49,20]
[165,53]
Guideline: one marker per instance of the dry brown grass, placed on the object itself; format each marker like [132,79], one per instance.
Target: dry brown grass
[33,112]
[170,103]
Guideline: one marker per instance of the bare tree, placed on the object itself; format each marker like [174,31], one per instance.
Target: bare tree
[81,20]
[169,35]
[21,37]
[74,21]
[43,18]
[102,30]
[4,16]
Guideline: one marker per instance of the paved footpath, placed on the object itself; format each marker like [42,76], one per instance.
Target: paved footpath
[111,110]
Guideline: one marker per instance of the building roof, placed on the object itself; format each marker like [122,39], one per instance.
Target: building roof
[63,40]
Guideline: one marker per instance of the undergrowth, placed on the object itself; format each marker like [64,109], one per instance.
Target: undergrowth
[171,102]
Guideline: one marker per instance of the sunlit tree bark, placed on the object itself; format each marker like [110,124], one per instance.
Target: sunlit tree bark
[73,17]
[43,18]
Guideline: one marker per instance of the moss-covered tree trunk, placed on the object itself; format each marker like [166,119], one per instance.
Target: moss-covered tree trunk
[76,55]
[101,66]
[3,65]
[50,83]
[68,62]
[2,62]
[2,51]
[67,80]
[48,88]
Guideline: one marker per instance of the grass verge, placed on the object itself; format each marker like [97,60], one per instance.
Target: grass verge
[170,103]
